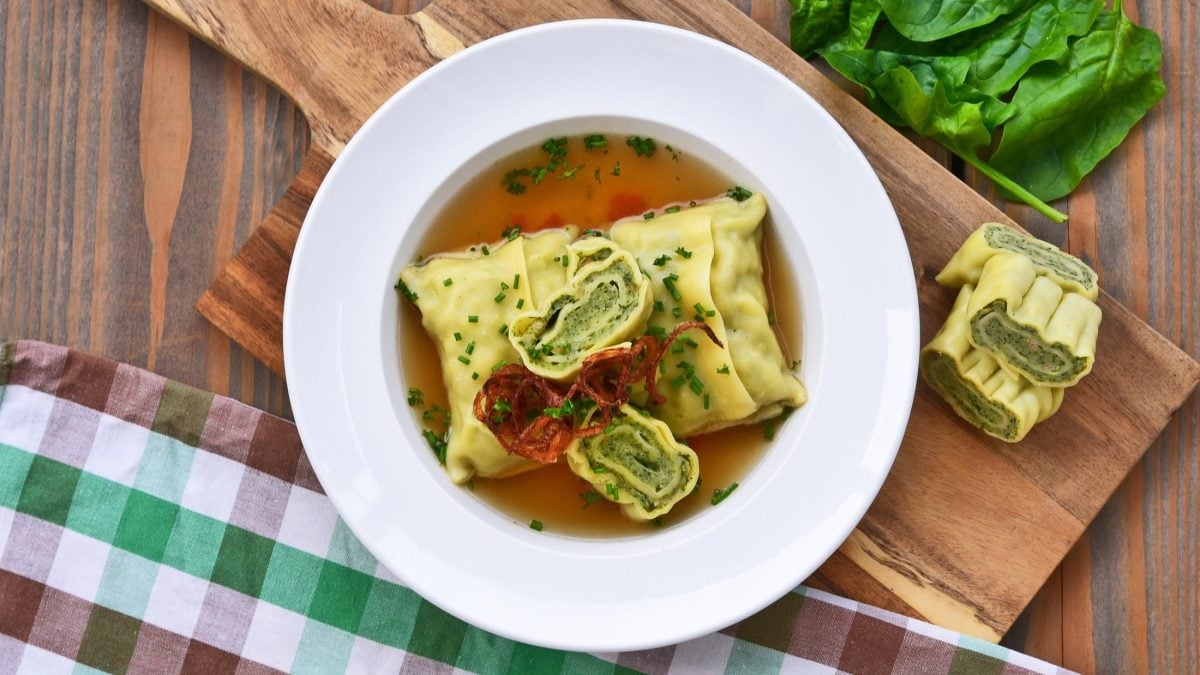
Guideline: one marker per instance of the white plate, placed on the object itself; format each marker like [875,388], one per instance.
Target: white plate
[856,291]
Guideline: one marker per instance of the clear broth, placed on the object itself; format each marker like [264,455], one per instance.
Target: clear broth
[483,208]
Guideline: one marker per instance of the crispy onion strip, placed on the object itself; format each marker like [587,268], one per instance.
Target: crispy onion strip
[513,403]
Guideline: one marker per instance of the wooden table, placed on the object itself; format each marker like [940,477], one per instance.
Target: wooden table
[136,160]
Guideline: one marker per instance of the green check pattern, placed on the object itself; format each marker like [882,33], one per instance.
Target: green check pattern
[149,527]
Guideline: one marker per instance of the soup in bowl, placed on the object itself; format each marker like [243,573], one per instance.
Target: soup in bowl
[549,556]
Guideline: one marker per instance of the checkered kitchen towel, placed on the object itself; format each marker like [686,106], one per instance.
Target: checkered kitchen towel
[146,526]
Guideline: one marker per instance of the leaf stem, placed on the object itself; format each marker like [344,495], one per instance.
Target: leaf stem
[1018,191]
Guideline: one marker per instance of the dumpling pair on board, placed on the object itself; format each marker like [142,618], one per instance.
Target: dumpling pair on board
[549,300]
[1023,328]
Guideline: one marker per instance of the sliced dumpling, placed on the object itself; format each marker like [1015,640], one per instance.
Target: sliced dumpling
[636,463]
[1030,325]
[467,303]
[740,296]
[605,300]
[703,389]
[991,239]
[1002,404]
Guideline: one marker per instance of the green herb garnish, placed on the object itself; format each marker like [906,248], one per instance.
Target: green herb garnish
[591,496]
[672,209]
[593,141]
[612,491]
[649,215]
[662,260]
[472,318]
[406,291]
[511,232]
[739,193]
[415,396]
[720,494]
[683,252]
[464,360]
[669,282]
[643,147]
[616,170]
[535,525]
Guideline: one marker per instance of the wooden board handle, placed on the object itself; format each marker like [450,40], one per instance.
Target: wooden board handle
[337,59]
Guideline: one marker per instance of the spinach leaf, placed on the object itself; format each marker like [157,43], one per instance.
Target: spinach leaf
[1071,116]
[1002,52]
[861,20]
[816,22]
[929,20]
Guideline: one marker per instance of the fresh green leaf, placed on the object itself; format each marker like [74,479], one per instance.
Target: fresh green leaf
[816,22]
[1071,116]
[860,24]
[929,20]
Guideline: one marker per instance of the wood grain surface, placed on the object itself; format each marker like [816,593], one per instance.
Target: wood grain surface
[136,159]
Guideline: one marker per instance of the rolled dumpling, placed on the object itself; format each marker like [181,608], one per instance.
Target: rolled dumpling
[468,301]
[637,463]
[1000,403]
[740,296]
[991,239]
[703,389]
[605,300]
[1030,325]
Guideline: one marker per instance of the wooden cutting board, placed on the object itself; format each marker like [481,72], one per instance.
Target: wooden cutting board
[966,528]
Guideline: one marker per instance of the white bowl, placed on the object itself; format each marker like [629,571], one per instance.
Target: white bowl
[855,287]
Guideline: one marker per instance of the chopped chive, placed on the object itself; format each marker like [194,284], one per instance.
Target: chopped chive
[504,329]
[699,308]
[662,367]
[565,261]
[475,376]
[486,250]
[592,141]
[710,312]
[612,491]
[457,336]
[706,401]
[511,232]
[696,385]
[738,193]
[658,306]
[499,297]
[643,147]
[768,431]
[669,282]
[770,318]
[591,496]
[499,364]
[649,215]
[720,494]
[539,174]
[677,312]
[520,303]
[657,331]
[535,525]
[687,340]
[516,281]
[472,318]
[501,406]
[616,171]
[471,347]
[415,396]
[676,348]
[672,209]
[683,252]
[678,382]
[447,281]
[406,291]
[723,370]
[661,260]
[503,286]
[464,360]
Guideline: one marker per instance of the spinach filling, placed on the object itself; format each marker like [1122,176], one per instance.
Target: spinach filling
[631,459]
[942,374]
[1042,255]
[605,299]
[1021,346]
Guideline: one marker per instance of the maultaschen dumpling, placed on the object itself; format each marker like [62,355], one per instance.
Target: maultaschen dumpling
[468,302]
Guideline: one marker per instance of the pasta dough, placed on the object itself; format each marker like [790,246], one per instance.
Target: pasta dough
[605,300]
[636,463]
[1030,325]
[991,239]
[705,263]
[459,295]
[1002,404]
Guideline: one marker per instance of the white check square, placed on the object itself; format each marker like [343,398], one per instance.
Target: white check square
[175,601]
[24,416]
[117,450]
[308,522]
[274,636]
[78,565]
[212,485]
[369,656]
